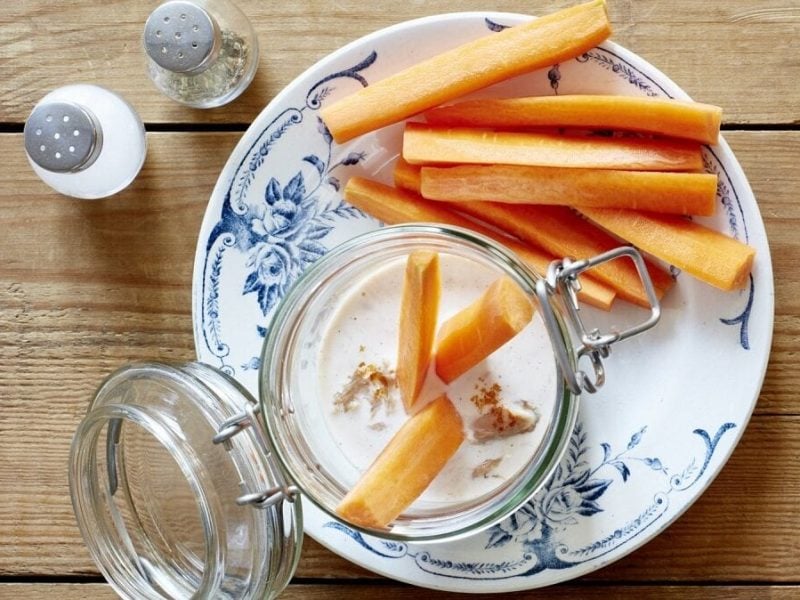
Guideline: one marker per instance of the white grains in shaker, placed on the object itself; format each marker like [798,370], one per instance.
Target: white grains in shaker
[85,141]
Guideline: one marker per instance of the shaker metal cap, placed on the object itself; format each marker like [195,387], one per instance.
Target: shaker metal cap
[180,36]
[62,137]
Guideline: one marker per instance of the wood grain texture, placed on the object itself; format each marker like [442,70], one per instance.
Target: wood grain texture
[767,159]
[734,54]
[299,591]
[87,286]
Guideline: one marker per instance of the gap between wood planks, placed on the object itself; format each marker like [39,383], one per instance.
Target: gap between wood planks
[241,127]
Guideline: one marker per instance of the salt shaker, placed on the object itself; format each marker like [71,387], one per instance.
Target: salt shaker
[202,53]
[85,141]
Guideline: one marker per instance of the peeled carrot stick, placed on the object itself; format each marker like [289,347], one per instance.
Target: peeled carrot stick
[710,256]
[406,175]
[540,43]
[471,335]
[426,144]
[406,466]
[676,193]
[393,206]
[674,118]
[419,310]
[562,232]
[398,207]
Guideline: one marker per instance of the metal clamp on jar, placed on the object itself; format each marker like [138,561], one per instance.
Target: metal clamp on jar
[184,486]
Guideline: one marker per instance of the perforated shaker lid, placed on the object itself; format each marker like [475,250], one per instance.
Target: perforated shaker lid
[62,137]
[181,36]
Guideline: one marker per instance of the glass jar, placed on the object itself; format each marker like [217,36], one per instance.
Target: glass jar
[156,499]
[85,141]
[202,53]
[184,487]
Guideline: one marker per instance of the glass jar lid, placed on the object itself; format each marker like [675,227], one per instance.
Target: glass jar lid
[167,510]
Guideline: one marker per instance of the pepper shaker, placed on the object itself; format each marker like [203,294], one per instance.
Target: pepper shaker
[202,53]
[85,141]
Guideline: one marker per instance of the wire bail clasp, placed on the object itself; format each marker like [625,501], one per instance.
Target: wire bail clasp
[283,490]
[562,281]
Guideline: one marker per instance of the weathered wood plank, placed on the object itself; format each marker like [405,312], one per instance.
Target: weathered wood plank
[709,543]
[767,158]
[734,54]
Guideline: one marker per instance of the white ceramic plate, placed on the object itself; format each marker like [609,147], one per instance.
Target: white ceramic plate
[677,399]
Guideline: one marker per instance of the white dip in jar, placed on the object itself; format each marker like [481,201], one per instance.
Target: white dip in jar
[361,339]
[313,347]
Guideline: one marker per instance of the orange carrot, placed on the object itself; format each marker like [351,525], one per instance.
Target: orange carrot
[541,42]
[393,206]
[472,334]
[419,309]
[560,231]
[674,118]
[406,175]
[710,256]
[405,467]
[677,193]
[426,144]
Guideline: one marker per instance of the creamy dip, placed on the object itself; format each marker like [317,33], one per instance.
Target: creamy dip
[363,330]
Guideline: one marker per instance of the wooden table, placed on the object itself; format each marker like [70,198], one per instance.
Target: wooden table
[88,286]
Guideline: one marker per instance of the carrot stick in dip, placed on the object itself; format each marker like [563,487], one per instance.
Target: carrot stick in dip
[419,310]
[406,466]
[472,334]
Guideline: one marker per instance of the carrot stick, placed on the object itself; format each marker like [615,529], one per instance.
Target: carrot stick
[405,468]
[472,334]
[710,256]
[560,231]
[540,43]
[406,175]
[393,206]
[426,144]
[419,311]
[677,193]
[674,118]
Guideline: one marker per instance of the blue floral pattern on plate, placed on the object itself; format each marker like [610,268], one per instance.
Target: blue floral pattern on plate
[285,231]
[277,208]
[573,492]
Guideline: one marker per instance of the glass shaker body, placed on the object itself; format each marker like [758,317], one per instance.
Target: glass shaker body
[202,53]
[85,141]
